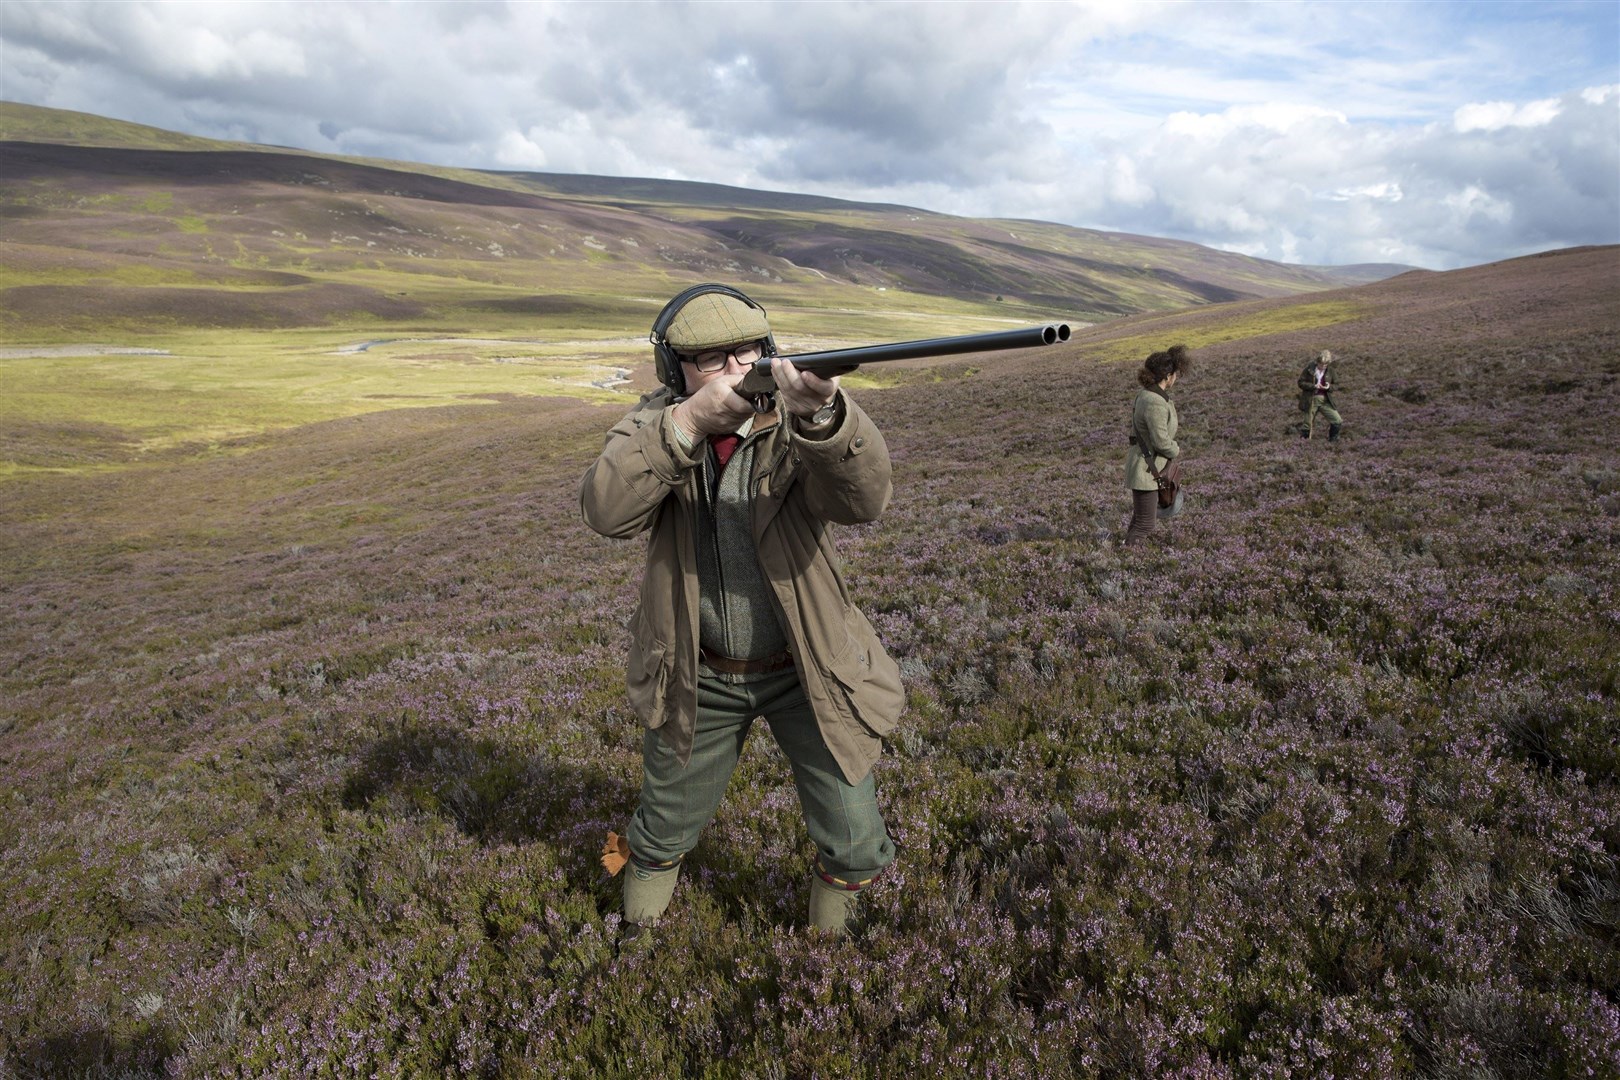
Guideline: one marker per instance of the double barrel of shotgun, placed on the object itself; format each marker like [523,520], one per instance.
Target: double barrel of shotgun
[758,385]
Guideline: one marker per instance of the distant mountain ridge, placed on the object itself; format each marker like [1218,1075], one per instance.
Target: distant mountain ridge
[102,214]
[634,191]
[630,192]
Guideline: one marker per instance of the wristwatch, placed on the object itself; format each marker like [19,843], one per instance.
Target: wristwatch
[824,415]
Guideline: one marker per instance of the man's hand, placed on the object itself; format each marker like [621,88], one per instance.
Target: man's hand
[801,392]
[716,409]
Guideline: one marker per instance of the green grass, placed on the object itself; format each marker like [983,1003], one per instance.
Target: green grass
[1195,329]
[102,272]
[217,388]
[92,413]
[213,389]
[24,122]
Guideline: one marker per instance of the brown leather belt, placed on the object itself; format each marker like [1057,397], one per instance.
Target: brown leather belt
[728,665]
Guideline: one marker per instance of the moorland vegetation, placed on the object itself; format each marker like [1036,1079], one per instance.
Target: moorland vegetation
[313,725]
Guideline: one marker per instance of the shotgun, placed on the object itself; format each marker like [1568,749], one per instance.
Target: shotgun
[759,387]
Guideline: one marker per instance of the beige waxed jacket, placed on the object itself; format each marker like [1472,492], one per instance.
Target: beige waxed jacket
[1153,423]
[643,481]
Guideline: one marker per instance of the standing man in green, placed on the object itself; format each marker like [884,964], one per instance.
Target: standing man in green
[743,610]
[1316,384]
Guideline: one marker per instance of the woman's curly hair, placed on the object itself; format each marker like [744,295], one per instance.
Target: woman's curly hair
[1161,365]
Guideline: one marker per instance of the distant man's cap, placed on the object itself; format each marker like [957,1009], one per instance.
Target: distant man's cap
[715,321]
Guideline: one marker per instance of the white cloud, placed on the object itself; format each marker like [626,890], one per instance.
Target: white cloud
[1280,117]
[1442,134]
[1125,185]
[1475,202]
[1495,115]
[514,150]
[1382,192]
[1308,184]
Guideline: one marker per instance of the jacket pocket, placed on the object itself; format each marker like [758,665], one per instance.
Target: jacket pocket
[869,682]
[646,674]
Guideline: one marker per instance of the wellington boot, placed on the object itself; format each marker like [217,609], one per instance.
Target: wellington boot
[831,909]
[1333,433]
[647,893]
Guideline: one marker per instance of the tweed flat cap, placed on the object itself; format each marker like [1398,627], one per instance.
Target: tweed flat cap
[715,321]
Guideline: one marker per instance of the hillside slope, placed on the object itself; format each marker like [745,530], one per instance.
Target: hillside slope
[125,228]
[1321,782]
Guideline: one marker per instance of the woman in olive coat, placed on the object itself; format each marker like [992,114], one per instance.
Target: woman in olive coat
[1153,431]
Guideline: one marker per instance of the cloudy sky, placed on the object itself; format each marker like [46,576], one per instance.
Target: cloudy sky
[1436,134]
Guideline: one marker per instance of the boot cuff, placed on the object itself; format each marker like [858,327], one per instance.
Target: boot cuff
[848,884]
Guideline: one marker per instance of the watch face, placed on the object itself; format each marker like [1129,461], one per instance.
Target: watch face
[823,414]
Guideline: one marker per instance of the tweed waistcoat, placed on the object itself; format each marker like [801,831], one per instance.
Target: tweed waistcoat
[736,611]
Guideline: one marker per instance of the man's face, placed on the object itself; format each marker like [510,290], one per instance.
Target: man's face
[704,367]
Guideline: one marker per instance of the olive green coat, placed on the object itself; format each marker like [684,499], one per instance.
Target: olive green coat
[643,481]
[1153,424]
[1307,386]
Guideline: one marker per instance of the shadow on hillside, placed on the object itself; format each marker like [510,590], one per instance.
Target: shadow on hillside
[497,796]
[79,1051]
[489,791]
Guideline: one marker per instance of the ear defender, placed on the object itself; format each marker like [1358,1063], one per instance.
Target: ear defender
[666,363]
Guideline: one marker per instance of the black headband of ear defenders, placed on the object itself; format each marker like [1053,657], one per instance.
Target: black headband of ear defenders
[666,364]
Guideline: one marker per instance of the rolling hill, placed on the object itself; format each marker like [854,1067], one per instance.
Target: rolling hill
[118,228]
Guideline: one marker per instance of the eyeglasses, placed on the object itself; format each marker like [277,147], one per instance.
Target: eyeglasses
[715,359]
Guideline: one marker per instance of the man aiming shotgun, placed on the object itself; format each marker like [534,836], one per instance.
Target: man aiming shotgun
[736,468]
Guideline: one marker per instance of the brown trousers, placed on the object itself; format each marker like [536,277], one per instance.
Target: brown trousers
[1144,515]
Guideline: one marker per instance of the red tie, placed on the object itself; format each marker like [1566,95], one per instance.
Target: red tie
[724,447]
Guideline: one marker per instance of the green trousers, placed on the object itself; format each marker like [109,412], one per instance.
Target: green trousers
[852,843]
[1329,413]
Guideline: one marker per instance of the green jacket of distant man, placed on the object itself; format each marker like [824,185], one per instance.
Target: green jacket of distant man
[1308,385]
